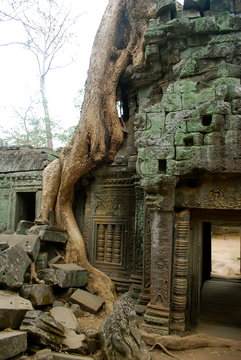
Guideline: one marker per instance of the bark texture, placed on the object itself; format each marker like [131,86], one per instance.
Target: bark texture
[188,342]
[99,135]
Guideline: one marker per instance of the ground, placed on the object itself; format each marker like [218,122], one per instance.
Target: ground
[200,354]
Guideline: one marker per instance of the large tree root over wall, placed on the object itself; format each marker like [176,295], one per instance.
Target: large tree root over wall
[99,135]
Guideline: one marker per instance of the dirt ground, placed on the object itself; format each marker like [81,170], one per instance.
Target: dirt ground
[199,354]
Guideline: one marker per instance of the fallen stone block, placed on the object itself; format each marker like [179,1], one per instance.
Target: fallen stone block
[49,233]
[38,294]
[70,275]
[66,317]
[45,354]
[87,301]
[63,356]
[41,261]
[12,309]
[29,243]
[23,226]
[49,276]
[43,329]
[13,264]
[12,343]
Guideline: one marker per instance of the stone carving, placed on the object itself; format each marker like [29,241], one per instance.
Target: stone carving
[180,282]
[120,336]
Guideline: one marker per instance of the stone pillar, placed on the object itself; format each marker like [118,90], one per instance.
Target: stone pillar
[137,264]
[180,273]
[160,206]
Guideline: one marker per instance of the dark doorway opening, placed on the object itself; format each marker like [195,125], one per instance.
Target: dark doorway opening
[25,206]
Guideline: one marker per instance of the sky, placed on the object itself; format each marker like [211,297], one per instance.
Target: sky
[18,74]
[18,79]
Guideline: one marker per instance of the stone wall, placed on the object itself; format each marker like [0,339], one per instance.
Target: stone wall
[21,183]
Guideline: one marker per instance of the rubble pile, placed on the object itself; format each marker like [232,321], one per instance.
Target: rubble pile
[42,297]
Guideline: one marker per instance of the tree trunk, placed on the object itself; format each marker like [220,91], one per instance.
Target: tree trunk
[47,123]
[99,135]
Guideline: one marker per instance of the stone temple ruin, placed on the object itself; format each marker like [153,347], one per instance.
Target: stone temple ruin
[148,217]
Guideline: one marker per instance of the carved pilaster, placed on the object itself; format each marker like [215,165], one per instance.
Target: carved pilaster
[160,207]
[179,296]
[136,278]
[144,297]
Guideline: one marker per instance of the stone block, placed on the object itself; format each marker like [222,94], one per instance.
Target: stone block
[13,264]
[237,6]
[49,276]
[12,309]
[38,294]
[53,234]
[70,275]
[87,301]
[191,139]
[30,244]
[172,102]
[188,14]
[186,153]
[194,4]
[63,356]
[44,329]
[165,5]
[12,343]
[236,106]
[41,261]
[219,6]
[66,317]
[152,52]
[24,225]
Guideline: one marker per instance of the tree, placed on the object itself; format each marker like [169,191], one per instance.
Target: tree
[30,128]
[47,25]
[99,133]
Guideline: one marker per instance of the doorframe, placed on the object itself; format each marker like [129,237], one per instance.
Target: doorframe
[195,278]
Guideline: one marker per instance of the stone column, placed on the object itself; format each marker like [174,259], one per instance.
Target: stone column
[160,206]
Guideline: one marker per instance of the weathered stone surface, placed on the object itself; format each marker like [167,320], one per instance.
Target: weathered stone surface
[73,341]
[44,329]
[63,356]
[12,343]
[12,309]
[29,243]
[41,261]
[13,264]
[38,294]
[23,225]
[119,335]
[50,233]
[45,354]
[70,275]
[66,317]
[87,301]
[49,276]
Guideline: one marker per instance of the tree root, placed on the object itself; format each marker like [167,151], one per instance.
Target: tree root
[164,350]
[189,342]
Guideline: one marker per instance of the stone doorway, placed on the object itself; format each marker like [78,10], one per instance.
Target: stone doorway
[25,206]
[215,281]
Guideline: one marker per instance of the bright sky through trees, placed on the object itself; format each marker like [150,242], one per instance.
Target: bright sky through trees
[18,73]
